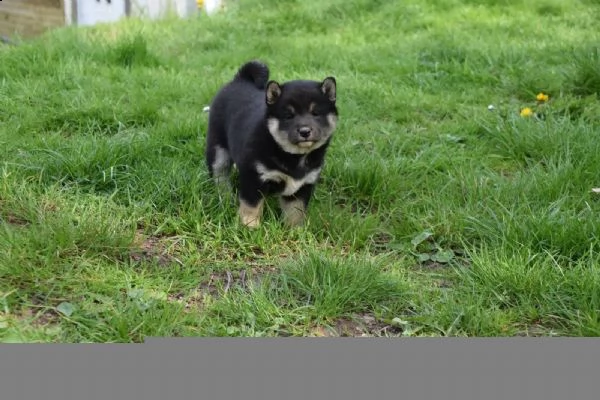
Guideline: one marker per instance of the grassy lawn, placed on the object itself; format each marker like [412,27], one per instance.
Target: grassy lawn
[435,215]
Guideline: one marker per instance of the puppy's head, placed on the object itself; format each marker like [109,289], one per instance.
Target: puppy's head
[301,115]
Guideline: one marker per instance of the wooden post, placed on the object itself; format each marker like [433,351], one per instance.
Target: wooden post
[30,17]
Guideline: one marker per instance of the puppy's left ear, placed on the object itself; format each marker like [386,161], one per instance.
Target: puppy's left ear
[328,87]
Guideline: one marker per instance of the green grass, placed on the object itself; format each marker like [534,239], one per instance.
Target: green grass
[434,215]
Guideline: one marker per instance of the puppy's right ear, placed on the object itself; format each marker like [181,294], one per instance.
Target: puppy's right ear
[273,92]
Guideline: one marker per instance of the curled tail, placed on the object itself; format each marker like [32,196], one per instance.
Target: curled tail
[255,72]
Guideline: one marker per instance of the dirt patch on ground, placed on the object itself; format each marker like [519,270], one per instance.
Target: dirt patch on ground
[160,249]
[432,266]
[192,302]
[14,220]
[358,206]
[443,283]
[45,317]
[223,281]
[38,314]
[20,218]
[535,329]
[220,283]
[362,325]
[436,269]
[380,242]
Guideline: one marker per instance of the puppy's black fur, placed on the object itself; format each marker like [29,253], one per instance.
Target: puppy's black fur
[276,135]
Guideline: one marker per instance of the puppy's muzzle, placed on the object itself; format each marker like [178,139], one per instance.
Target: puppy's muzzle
[305,132]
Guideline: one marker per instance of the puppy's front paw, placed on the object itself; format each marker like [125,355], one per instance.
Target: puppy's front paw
[250,215]
[294,212]
[250,222]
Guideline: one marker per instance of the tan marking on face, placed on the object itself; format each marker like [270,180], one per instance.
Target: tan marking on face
[282,139]
[332,120]
[306,144]
[294,212]
[249,215]
[311,107]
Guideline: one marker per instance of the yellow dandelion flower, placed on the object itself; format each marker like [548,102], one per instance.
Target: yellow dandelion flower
[526,112]
[542,97]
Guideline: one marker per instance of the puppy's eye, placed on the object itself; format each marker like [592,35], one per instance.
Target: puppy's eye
[288,114]
[315,112]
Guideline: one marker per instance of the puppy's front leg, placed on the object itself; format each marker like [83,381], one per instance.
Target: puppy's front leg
[294,207]
[250,213]
[251,199]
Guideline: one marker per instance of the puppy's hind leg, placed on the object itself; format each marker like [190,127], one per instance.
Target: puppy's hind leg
[219,165]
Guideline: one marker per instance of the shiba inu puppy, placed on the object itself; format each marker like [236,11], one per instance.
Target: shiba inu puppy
[276,135]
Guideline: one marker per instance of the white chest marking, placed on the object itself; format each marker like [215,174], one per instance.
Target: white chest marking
[291,185]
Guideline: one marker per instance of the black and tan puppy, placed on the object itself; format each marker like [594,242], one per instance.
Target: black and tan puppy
[275,134]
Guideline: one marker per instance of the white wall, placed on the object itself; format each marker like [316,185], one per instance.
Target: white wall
[68,11]
[211,6]
[90,12]
[160,8]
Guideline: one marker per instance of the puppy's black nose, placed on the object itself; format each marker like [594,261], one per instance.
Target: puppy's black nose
[304,131]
